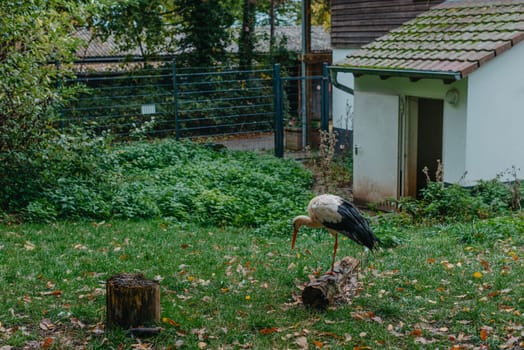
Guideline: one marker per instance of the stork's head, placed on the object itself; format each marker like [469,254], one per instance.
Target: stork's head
[297,223]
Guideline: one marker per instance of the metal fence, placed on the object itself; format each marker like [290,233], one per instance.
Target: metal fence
[187,102]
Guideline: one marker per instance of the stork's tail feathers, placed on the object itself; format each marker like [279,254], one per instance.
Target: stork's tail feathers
[363,235]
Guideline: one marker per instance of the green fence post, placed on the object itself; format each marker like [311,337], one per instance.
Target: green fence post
[175,95]
[279,115]
[324,99]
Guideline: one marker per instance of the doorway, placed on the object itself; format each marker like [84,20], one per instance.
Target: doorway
[423,142]
[429,141]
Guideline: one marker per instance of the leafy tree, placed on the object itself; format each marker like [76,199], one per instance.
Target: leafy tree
[206,27]
[197,30]
[35,34]
[149,25]
[321,13]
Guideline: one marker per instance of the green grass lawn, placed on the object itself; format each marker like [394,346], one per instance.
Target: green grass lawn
[237,288]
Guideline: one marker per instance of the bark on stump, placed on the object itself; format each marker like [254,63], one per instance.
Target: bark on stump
[328,289]
[133,302]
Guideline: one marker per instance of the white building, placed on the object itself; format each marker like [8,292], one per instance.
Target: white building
[447,85]
[355,23]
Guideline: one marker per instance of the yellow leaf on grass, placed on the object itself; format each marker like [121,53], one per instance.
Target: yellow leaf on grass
[477,274]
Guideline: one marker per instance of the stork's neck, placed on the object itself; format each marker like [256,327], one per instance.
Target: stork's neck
[303,220]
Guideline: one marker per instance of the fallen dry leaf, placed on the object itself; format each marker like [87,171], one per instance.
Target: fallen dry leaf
[47,343]
[485,264]
[170,322]
[318,344]
[483,334]
[29,246]
[271,330]
[55,293]
[47,325]
[363,315]
[302,342]
[447,265]
[77,323]
[416,332]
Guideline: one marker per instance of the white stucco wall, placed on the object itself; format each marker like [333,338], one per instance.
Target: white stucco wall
[454,122]
[495,140]
[342,102]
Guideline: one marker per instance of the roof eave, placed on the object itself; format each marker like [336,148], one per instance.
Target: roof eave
[413,74]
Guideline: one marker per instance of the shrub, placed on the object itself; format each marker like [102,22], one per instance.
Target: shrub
[440,203]
[82,176]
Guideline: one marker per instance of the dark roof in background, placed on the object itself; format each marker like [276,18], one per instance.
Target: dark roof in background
[320,38]
[355,23]
[96,48]
[452,39]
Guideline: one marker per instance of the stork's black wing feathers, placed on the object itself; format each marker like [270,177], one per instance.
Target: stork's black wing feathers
[353,225]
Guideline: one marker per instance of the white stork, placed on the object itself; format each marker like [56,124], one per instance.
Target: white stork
[336,215]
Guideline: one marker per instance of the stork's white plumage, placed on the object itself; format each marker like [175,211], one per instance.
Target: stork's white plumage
[336,215]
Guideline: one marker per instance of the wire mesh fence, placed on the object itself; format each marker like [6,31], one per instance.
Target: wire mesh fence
[169,101]
[122,103]
[191,102]
[224,102]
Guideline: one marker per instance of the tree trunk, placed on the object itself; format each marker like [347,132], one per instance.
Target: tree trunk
[132,301]
[246,43]
[328,290]
[271,29]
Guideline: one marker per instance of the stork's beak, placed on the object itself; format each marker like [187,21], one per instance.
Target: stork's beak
[295,231]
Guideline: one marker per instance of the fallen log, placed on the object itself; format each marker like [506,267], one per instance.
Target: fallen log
[338,288]
[132,301]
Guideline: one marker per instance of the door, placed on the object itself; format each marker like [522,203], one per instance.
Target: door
[376,147]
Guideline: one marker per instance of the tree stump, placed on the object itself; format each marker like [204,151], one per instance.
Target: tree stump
[330,289]
[133,302]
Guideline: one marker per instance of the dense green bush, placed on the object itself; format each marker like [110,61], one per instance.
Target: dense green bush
[81,176]
[65,166]
[452,203]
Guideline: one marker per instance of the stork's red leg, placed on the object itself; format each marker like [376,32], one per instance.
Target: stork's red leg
[335,247]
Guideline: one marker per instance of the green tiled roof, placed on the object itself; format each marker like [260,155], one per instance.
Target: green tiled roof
[452,39]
